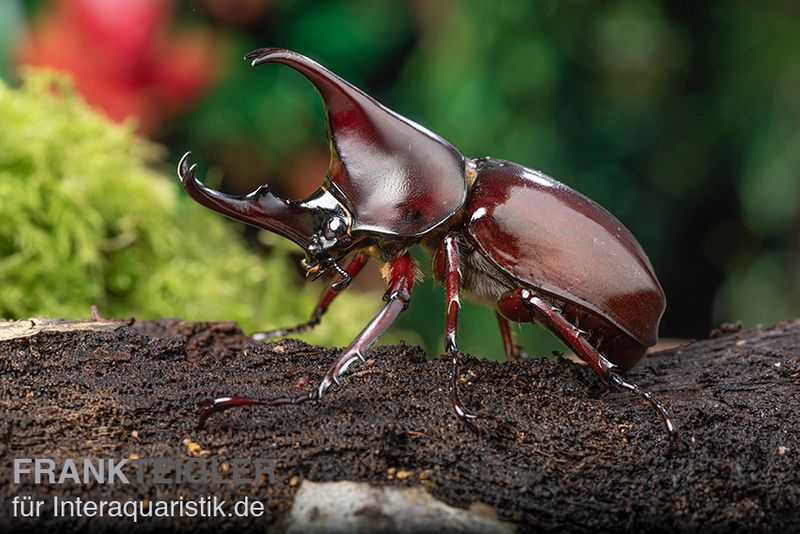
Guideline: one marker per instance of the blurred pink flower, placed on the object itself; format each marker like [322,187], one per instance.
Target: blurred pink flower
[123,56]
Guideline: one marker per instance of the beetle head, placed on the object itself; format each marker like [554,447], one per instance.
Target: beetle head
[320,224]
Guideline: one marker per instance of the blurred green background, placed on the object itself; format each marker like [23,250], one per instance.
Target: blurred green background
[681,118]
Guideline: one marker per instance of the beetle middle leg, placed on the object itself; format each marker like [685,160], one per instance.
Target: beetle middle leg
[328,295]
[452,286]
[523,304]
[400,274]
[513,351]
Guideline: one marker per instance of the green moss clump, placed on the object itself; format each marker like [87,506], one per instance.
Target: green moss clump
[85,219]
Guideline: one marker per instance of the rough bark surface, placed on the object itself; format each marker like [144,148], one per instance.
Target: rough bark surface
[558,449]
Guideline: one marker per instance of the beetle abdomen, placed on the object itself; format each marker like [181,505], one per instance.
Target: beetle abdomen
[548,236]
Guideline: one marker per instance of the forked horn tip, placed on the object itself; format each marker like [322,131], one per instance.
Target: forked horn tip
[183,165]
[186,172]
[263,55]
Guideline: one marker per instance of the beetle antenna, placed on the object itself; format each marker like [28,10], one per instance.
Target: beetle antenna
[345,279]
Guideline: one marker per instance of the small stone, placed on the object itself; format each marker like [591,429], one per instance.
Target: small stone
[782,450]
[342,506]
[195,449]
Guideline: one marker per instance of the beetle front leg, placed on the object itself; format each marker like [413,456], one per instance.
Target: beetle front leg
[452,286]
[331,292]
[538,308]
[399,274]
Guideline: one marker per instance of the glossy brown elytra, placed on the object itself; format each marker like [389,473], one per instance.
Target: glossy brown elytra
[501,233]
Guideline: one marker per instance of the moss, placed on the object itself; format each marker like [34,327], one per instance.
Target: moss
[87,219]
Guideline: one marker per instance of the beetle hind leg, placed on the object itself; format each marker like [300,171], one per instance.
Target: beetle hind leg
[524,305]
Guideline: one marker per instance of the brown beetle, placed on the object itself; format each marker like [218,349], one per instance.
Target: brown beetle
[501,233]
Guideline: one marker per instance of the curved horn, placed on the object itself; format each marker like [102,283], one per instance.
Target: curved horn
[260,208]
[378,155]
[348,106]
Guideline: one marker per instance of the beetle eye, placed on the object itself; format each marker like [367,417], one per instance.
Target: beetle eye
[334,228]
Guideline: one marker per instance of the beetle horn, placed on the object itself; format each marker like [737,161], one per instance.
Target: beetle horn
[261,208]
[376,154]
[348,107]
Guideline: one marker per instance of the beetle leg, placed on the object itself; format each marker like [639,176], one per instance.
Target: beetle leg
[400,274]
[513,351]
[452,286]
[328,296]
[574,337]
[209,408]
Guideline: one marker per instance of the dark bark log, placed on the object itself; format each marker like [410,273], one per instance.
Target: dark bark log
[557,450]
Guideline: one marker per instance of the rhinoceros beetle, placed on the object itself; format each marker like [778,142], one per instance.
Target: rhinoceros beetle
[501,233]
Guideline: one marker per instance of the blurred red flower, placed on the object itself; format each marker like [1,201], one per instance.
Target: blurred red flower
[123,58]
